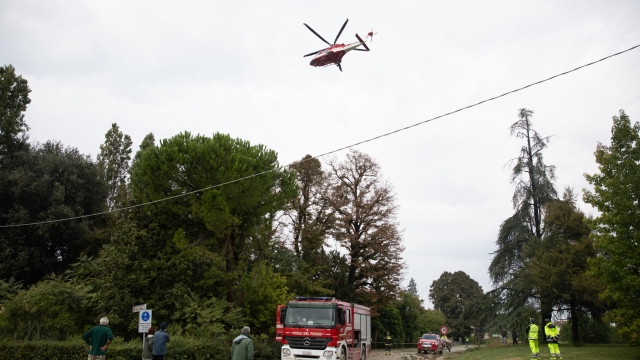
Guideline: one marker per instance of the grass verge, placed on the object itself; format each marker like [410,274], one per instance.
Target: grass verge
[569,352]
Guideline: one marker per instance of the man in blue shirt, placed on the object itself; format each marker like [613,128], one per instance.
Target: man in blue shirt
[160,341]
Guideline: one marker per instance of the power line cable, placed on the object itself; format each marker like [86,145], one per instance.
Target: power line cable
[324,154]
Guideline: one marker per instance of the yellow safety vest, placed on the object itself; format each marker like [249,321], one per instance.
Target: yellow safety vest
[533,332]
[551,330]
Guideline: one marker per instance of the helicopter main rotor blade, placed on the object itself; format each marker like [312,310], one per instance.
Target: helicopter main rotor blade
[318,35]
[360,49]
[339,67]
[342,28]
[313,53]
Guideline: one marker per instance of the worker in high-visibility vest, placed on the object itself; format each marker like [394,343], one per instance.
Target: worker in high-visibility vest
[552,333]
[446,342]
[387,344]
[532,330]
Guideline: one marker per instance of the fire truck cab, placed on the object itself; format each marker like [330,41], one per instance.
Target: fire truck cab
[323,328]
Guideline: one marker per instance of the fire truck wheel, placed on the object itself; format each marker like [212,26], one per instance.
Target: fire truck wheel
[363,353]
[343,354]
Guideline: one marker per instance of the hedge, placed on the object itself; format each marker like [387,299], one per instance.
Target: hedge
[179,348]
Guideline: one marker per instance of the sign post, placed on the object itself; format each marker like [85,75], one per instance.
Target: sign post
[444,330]
[144,320]
[139,309]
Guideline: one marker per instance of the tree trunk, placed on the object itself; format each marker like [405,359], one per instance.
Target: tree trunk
[534,184]
[574,322]
[230,245]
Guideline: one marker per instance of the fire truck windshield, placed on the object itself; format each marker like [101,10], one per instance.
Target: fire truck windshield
[310,315]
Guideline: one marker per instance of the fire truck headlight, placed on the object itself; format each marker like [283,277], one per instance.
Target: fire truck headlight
[328,353]
[286,351]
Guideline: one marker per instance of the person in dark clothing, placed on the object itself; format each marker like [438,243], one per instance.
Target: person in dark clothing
[387,344]
[160,340]
[514,336]
[147,344]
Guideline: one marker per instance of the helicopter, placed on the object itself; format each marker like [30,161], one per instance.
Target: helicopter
[334,53]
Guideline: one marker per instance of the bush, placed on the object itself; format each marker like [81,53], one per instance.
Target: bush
[179,348]
[266,348]
[590,332]
[49,310]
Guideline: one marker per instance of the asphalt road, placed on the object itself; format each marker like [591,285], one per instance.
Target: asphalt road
[411,354]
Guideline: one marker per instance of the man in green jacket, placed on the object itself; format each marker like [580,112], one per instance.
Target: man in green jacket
[242,347]
[98,339]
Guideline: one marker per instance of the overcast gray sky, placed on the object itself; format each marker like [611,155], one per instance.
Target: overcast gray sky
[236,67]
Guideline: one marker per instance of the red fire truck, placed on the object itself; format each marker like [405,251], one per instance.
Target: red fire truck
[323,328]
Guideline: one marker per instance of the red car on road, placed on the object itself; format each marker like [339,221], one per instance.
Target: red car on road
[430,344]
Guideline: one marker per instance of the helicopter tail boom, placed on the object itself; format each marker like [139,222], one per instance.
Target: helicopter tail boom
[362,42]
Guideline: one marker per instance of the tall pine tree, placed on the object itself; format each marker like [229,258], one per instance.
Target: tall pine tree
[534,188]
[114,157]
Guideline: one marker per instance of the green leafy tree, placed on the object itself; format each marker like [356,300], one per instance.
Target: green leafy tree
[113,160]
[139,266]
[40,183]
[229,220]
[430,321]
[410,308]
[148,141]
[309,214]
[451,294]
[337,273]
[366,227]
[617,230]
[260,292]
[304,227]
[413,288]
[559,263]
[52,183]
[8,290]
[14,98]
[388,321]
[52,309]
[209,318]
[534,188]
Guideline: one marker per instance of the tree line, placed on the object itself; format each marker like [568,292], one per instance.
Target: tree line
[554,262]
[207,259]
[211,259]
